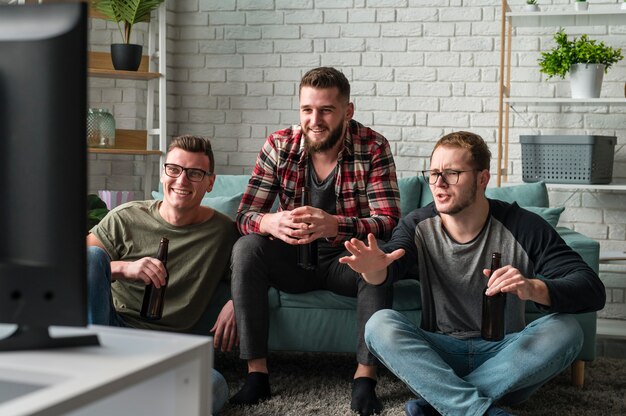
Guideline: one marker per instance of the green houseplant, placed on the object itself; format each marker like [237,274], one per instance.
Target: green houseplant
[578,57]
[126,13]
[96,210]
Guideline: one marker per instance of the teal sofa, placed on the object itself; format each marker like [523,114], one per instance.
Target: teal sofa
[324,321]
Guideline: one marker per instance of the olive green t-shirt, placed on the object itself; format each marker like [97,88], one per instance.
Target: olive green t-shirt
[198,258]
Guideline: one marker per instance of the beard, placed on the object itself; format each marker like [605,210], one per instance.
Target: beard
[464,200]
[333,138]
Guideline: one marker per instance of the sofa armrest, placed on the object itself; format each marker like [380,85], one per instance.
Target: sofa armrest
[588,248]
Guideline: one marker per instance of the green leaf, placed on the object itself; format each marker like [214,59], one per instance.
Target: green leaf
[128,12]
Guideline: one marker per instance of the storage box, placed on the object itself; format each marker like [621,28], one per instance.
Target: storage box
[568,158]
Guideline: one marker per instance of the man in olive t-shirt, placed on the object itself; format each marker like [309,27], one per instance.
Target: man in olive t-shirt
[122,248]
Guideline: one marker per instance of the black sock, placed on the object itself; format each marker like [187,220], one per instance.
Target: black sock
[364,400]
[256,389]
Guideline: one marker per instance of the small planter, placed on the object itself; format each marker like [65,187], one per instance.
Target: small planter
[531,8]
[581,6]
[623,6]
[586,80]
[126,56]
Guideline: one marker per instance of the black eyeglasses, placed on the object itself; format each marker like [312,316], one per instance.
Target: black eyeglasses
[449,176]
[193,174]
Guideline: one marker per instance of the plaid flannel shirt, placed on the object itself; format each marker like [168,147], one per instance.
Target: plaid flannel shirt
[368,200]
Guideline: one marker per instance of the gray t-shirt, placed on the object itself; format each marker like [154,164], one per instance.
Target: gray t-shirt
[198,258]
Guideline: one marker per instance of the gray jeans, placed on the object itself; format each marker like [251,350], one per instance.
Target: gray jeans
[258,263]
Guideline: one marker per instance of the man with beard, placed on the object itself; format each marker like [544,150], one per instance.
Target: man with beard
[451,241]
[351,175]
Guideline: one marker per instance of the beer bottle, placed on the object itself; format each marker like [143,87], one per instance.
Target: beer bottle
[153,297]
[307,253]
[492,328]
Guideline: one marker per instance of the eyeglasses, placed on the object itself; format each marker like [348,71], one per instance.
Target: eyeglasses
[449,176]
[193,174]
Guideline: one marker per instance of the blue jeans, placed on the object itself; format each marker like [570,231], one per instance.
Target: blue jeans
[467,376]
[102,312]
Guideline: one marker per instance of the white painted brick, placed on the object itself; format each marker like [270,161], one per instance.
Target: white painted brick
[255,4]
[335,16]
[460,14]
[195,101]
[425,135]
[387,3]
[453,74]
[281,32]
[430,89]
[392,89]
[418,104]
[280,103]
[323,31]
[440,59]
[410,59]
[438,29]
[213,5]
[386,45]
[391,133]
[459,104]
[375,103]
[486,29]
[444,120]
[393,118]
[252,145]
[360,30]
[231,131]
[261,61]
[255,47]
[293,46]
[416,74]
[190,61]
[582,215]
[471,44]
[265,18]
[331,4]
[217,46]
[595,231]
[244,75]
[339,60]
[259,117]
[362,16]
[428,44]
[363,88]
[241,158]
[242,33]
[248,102]
[290,4]
[345,45]
[419,15]
[371,59]
[304,17]
[282,75]
[227,18]
[230,89]
[205,116]
[408,30]
[223,145]
[386,15]
[598,121]
[373,74]
[284,88]
[258,89]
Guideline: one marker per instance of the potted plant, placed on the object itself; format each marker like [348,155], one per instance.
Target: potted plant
[581,5]
[584,59]
[531,6]
[126,13]
[623,5]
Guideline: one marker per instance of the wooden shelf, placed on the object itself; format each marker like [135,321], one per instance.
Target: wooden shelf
[596,15]
[127,142]
[101,66]
[564,100]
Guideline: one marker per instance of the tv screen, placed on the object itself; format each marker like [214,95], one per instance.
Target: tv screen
[43,99]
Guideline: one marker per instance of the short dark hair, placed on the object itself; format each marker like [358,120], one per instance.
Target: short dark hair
[326,77]
[481,155]
[194,144]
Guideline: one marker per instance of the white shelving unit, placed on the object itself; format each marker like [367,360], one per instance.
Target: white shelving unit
[596,15]
[153,70]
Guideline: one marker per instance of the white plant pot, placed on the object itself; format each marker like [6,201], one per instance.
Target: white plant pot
[581,5]
[623,6]
[586,80]
[531,8]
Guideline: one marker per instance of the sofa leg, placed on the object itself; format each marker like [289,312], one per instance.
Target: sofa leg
[578,373]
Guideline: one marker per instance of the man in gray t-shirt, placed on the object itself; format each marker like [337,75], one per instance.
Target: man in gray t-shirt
[449,242]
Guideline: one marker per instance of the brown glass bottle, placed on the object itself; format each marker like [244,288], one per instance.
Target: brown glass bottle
[307,253]
[492,328]
[153,297]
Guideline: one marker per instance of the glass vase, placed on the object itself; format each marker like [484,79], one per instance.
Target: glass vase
[100,128]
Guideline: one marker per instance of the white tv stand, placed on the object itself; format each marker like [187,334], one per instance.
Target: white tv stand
[133,371]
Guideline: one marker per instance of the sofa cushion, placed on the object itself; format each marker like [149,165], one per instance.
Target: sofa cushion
[410,193]
[551,215]
[526,195]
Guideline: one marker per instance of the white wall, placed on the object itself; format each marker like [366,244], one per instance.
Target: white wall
[418,69]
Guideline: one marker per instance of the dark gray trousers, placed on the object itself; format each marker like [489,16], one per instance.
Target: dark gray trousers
[259,262]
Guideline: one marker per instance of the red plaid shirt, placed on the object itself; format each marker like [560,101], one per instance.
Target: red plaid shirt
[368,200]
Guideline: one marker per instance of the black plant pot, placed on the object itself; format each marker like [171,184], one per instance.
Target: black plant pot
[126,56]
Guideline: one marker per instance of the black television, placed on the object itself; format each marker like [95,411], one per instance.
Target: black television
[43,100]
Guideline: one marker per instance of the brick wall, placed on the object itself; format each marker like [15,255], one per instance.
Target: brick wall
[418,69]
